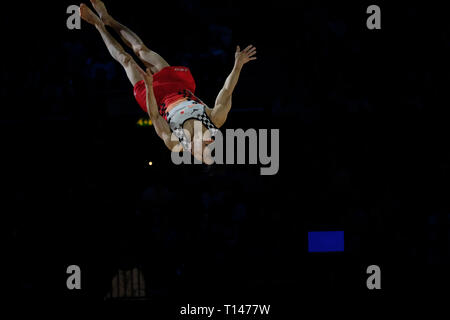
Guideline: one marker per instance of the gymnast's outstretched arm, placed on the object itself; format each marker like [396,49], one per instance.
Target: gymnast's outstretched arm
[161,126]
[223,101]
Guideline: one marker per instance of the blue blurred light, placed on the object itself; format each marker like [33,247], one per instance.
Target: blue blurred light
[325,241]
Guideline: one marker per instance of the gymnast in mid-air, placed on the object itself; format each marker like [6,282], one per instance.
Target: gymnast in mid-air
[166,92]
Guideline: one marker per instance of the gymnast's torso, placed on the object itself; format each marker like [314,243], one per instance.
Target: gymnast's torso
[174,88]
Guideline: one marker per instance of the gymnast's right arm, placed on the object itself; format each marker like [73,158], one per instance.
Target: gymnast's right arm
[161,126]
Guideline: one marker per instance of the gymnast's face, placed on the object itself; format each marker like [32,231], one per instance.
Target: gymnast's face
[200,142]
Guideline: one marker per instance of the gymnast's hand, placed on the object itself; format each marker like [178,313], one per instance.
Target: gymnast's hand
[148,77]
[244,56]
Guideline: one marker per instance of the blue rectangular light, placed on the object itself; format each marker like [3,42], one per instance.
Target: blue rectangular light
[325,241]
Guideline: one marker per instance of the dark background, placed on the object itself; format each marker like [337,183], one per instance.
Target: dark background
[364,148]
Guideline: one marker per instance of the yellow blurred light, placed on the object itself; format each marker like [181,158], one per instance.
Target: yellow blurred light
[144,122]
[150,163]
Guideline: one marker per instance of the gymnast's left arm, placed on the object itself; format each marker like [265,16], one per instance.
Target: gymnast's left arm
[159,123]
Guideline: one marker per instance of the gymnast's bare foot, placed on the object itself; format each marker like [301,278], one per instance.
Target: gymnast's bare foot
[89,16]
[99,6]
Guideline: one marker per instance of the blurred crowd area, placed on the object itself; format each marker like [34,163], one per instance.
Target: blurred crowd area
[363,126]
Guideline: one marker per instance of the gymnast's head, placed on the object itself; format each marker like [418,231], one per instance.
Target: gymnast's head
[201,141]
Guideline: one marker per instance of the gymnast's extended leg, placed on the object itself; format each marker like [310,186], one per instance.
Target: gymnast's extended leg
[150,58]
[114,48]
